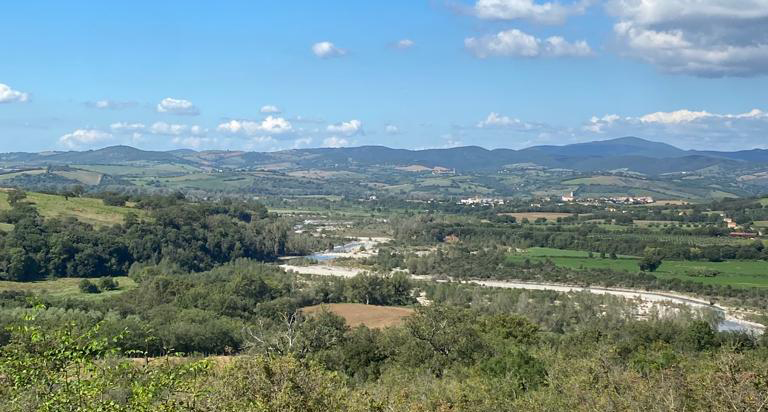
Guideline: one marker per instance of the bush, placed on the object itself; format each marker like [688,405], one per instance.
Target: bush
[649,263]
[86,286]
[108,283]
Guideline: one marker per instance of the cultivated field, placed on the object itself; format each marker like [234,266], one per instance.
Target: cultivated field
[736,273]
[356,314]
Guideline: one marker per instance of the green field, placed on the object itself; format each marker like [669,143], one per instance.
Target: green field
[8,176]
[67,287]
[85,209]
[736,273]
[152,169]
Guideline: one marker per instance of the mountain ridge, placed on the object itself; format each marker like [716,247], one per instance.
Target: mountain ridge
[629,152]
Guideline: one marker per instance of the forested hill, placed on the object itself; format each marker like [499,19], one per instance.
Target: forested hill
[188,236]
[629,153]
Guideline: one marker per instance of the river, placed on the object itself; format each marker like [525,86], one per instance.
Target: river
[730,322]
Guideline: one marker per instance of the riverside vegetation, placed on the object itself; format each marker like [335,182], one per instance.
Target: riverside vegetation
[210,323]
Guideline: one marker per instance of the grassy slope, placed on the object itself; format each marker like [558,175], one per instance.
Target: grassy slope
[737,273]
[85,209]
[67,287]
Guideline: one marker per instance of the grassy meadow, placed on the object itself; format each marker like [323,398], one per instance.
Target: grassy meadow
[736,273]
[67,287]
[84,209]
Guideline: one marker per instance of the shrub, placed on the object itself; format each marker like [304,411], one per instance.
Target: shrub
[86,286]
[108,283]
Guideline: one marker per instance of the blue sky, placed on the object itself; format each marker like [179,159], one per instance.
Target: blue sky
[248,75]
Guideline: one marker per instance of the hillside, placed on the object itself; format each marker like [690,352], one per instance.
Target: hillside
[84,209]
[360,171]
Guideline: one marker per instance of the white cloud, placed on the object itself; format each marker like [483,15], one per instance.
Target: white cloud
[497,121]
[335,142]
[678,116]
[169,129]
[177,106]
[269,126]
[82,137]
[597,124]
[545,12]
[710,38]
[270,109]
[515,43]
[124,127]
[349,128]
[106,104]
[8,95]
[689,128]
[302,142]
[392,129]
[405,44]
[326,49]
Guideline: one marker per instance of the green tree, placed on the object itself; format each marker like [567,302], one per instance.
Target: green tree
[649,263]
[15,196]
[86,286]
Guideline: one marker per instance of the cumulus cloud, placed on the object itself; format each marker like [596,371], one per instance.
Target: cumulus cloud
[326,49]
[84,137]
[270,109]
[177,106]
[497,121]
[392,129]
[689,128]
[269,126]
[302,142]
[8,95]
[349,128]
[542,12]
[125,127]
[404,44]
[106,104]
[709,38]
[169,129]
[515,43]
[335,142]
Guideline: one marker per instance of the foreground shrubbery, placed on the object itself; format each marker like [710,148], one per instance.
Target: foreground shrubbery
[442,359]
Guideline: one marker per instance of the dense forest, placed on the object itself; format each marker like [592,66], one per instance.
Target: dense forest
[194,236]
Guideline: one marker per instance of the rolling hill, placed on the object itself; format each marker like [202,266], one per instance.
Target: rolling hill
[665,168]
[629,153]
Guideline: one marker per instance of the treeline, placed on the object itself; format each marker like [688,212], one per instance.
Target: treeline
[586,237]
[462,263]
[192,236]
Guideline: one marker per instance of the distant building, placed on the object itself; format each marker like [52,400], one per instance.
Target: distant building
[481,201]
[568,198]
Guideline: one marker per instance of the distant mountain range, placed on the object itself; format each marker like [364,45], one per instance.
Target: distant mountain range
[628,153]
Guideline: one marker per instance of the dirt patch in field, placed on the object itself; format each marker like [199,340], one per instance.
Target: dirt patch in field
[374,317]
